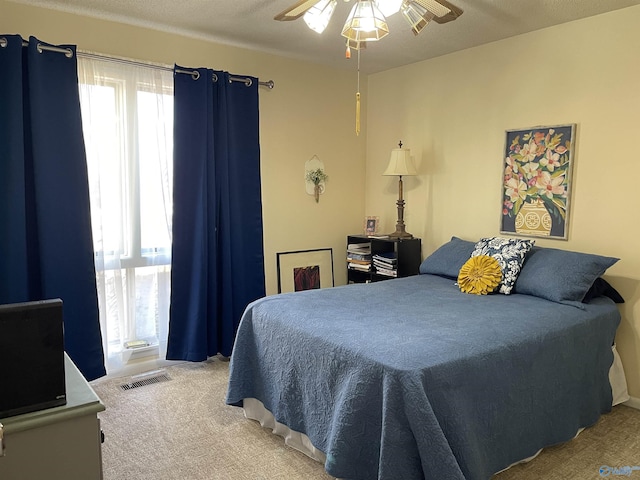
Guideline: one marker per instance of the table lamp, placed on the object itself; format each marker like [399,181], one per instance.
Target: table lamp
[400,164]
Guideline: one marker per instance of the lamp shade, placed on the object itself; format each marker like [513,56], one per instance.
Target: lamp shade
[416,15]
[400,163]
[317,17]
[365,23]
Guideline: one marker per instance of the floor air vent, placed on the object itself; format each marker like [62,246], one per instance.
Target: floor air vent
[146,379]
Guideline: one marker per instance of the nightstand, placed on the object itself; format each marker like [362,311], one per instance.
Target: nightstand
[405,252]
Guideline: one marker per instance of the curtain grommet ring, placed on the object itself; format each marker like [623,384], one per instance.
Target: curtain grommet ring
[195,75]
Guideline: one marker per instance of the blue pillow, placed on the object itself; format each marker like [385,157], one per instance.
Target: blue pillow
[447,260]
[510,253]
[561,276]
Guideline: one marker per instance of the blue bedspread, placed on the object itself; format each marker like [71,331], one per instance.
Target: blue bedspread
[412,379]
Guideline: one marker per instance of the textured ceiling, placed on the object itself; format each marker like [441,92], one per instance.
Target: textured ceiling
[250,24]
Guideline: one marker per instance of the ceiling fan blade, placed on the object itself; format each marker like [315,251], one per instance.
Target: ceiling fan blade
[454,12]
[295,11]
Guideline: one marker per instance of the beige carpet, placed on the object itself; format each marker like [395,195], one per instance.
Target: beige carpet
[182,429]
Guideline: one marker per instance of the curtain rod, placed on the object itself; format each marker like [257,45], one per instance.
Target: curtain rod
[41,47]
[194,73]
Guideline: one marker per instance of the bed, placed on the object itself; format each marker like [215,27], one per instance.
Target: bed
[411,378]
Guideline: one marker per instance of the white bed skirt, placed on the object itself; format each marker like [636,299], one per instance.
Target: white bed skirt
[255,410]
[618,380]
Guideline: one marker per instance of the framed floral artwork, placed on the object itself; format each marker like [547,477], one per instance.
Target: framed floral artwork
[537,181]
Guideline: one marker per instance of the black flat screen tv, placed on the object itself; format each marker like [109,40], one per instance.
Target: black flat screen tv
[31,357]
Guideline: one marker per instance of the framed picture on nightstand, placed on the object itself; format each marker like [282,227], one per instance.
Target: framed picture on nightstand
[371,225]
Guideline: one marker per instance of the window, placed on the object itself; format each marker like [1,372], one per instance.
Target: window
[127,114]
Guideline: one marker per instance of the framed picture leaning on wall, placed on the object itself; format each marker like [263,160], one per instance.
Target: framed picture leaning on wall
[304,270]
[536,187]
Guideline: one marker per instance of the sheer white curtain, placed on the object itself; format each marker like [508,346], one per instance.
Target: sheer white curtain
[127,113]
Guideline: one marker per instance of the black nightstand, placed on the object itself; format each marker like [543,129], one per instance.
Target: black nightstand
[407,254]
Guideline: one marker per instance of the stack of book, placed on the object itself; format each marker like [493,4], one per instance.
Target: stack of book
[359,256]
[386,264]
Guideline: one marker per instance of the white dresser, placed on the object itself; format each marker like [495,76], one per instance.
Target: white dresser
[61,443]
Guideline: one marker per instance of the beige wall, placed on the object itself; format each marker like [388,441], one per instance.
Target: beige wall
[452,112]
[309,112]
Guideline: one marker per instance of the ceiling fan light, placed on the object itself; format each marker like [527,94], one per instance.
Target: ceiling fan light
[389,7]
[317,17]
[416,15]
[365,23]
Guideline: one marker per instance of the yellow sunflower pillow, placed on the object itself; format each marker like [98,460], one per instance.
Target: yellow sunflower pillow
[480,275]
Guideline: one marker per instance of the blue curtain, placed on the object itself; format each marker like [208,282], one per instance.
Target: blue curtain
[217,263]
[45,223]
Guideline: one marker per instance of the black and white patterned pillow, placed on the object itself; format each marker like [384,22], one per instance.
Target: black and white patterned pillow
[509,252]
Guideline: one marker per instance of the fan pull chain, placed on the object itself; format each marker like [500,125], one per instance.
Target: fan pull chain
[358,98]
[358,113]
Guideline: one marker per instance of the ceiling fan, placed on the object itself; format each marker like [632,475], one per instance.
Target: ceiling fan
[367,20]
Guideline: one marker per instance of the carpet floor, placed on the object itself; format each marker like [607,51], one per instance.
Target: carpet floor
[182,429]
